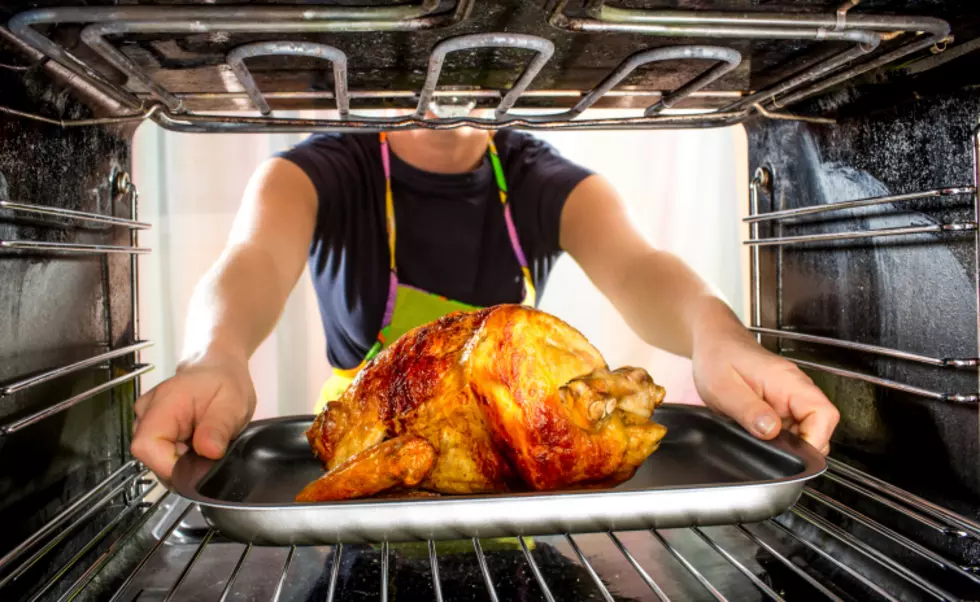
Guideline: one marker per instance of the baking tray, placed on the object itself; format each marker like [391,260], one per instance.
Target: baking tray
[708,471]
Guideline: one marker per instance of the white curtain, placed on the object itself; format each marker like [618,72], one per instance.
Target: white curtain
[685,189]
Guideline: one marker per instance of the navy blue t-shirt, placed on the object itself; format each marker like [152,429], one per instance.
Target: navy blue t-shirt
[451,235]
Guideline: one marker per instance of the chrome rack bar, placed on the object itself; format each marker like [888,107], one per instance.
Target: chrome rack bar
[482,561]
[309,21]
[761,179]
[65,532]
[152,551]
[68,247]
[544,49]
[976,233]
[537,572]
[789,564]
[411,94]
[942,529]
[146,19]
[76,215]
[121,182]
[858,29]
[890,534]
[890,384]
[90,573]
[936,29]
[190,123]
[16,425]
[234,573]
[285,571]
[868,551]
[705,24]
[236,61]
[639,569]
[434,563]
[338,551]
[857,234]
[729,59]
[60,371]
[864,580]
[963,525]
[690,567]
[64,515]
[592,573]
[384,571]
[841,205]
[813,73]
[970,362]
[738,565]
[136,504]
[189,565]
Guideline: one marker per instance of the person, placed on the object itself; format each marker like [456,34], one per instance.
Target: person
[401,228]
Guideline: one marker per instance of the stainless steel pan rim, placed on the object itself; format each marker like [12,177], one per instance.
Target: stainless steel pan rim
[494,515]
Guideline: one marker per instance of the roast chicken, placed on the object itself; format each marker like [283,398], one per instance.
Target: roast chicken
[502,399]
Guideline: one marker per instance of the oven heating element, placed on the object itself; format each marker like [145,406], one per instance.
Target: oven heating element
[865,32]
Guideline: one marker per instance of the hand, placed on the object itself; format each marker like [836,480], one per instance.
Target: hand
[761,391]
[207,403]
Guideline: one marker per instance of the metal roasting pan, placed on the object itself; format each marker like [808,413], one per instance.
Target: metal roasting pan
[708,471]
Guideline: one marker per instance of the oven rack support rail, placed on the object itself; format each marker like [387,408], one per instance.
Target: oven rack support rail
[762,181]
[866,32]
[132,490]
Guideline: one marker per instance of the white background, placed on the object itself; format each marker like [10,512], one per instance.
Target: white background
[685,189]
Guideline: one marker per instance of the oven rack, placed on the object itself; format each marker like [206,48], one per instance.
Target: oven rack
[127,483]
[795,540]
[763,180]
[865,32]
[121,184]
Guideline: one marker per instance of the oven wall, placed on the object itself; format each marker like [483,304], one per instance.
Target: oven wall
[56,309]
[913,293]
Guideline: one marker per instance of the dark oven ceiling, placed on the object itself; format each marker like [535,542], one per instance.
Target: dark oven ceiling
[732,60]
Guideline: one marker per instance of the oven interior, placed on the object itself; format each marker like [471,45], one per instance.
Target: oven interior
[862,124]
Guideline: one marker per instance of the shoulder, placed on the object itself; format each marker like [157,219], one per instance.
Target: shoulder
[331,146]
[529,160]
[515,143]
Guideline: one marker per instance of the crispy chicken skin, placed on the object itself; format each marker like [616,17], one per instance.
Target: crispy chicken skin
[502,399]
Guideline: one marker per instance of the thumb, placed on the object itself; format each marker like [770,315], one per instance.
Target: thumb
[732,396]
[222,419]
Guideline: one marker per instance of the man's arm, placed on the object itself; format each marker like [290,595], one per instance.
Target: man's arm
[237,303]
[670,307]
[233,309]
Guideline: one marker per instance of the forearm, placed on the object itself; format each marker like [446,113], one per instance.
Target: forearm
[236,305]
[668,305]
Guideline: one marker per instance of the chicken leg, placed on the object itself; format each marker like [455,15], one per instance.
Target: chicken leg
[399,462]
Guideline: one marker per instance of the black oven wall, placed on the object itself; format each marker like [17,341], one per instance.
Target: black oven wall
[914,293]
[57,308]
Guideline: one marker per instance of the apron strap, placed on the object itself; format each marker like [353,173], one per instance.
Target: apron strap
[389,207]
[530,294]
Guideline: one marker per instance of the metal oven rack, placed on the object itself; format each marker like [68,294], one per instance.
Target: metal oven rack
[762,179]
[790,557]
[128,483]
[876,41]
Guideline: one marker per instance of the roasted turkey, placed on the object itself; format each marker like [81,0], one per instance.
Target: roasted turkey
[497,400]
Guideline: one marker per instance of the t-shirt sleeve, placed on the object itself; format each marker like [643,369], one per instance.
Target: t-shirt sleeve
[539,180]
[330,162]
